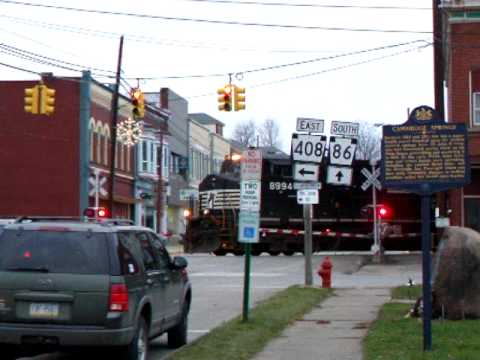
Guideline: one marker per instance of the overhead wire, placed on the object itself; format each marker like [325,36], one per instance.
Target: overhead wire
[211,21]
[310,5]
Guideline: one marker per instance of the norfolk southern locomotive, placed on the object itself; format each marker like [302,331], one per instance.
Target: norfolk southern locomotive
[341,221]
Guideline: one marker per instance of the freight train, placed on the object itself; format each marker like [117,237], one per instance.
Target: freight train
[342,220]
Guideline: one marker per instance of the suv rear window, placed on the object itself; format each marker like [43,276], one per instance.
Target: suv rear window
[74,252]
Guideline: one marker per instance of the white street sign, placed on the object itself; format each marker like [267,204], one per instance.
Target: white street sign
[248,224]
[342,150]
[344,128]
[310,125]
[307,186]
[250,195]
[308,196]
[187,194]
[371,179]
[308,148]
[251,165]
[305,172]
[339,175]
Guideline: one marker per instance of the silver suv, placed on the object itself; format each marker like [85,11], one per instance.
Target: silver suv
[70,283]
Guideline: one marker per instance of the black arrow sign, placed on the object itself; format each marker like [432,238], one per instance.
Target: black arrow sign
[304,172]
[339,176]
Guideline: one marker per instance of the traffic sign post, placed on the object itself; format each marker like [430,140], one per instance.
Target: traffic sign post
[249,217]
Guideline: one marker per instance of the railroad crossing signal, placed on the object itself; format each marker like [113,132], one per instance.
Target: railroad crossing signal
[225,97]
[239,98]
[39,100]
[372,179]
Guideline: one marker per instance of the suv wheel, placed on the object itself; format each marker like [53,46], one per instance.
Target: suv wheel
[8,352]
[138,348]
[177,336]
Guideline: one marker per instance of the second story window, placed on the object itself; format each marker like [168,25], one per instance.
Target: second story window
[147,156]
[476,109]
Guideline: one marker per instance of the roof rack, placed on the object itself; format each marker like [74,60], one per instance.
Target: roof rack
[118,221]
[22,219]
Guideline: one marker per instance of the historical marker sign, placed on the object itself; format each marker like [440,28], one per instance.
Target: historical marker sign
[425,154]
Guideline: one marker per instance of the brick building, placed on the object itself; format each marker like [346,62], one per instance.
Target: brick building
[461,55]
[47,160]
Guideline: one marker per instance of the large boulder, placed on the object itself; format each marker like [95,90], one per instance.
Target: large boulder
[456,274]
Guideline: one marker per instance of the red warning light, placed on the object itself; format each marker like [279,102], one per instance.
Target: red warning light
[27,254]
[94,212]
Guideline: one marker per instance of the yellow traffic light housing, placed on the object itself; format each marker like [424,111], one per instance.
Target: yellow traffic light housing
[239,98]
[31,100]
[138,101]
[225,98]
[47,100]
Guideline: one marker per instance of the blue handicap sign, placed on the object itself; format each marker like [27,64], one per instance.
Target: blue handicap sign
[249,232]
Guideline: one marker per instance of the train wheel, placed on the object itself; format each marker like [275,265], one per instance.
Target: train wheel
[288,252]
[256,252]
[274,253]
[238,252]
[220,252]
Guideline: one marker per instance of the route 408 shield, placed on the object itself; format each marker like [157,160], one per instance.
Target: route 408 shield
[308,148]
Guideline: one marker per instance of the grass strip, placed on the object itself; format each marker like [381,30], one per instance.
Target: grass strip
[407,292]
[239,340]
[394,337]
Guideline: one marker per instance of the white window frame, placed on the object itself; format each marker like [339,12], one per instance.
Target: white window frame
[476,108]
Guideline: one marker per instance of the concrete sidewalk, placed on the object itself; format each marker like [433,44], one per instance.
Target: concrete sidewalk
[334,329]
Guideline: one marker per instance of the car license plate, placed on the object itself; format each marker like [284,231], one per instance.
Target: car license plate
[44,310]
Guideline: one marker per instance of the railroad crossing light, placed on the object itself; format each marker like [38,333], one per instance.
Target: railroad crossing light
[138,102]
[96,212]
[383,211]
[31,100]
[225,98]
[47,100]
[187,213]
[239,98]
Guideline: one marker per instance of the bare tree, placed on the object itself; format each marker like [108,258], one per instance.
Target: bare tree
[269,133]
[245,133]
[369,142]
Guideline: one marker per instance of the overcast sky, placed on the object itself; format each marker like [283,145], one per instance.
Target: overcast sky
[326,59]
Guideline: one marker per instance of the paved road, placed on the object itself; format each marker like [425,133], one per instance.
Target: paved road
[218,286]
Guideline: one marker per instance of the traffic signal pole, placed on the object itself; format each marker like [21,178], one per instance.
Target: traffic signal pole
[114,111]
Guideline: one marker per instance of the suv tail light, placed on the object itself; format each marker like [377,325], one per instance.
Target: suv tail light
[118,298]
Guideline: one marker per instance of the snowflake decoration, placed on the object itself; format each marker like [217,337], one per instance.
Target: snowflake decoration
[129,132]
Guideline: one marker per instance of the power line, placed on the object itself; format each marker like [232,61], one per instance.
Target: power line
[19,68]
[43,57]
[306,5]
[274,67]
[210,21]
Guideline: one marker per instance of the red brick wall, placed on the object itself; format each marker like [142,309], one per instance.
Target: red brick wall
[39,155]
[464,57]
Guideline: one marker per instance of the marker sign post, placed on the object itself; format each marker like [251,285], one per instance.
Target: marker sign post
[425,155]
[249,218]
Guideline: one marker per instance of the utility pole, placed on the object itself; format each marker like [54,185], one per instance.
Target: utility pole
[114,111]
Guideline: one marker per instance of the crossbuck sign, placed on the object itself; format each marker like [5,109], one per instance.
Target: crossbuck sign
[372,179]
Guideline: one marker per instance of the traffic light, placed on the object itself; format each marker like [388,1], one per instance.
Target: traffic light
[47,100]
[138,102]
[225,98]
[31,100]
[239,98]
[96,212]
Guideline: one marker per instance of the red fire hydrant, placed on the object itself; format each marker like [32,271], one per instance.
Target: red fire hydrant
[325,272]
